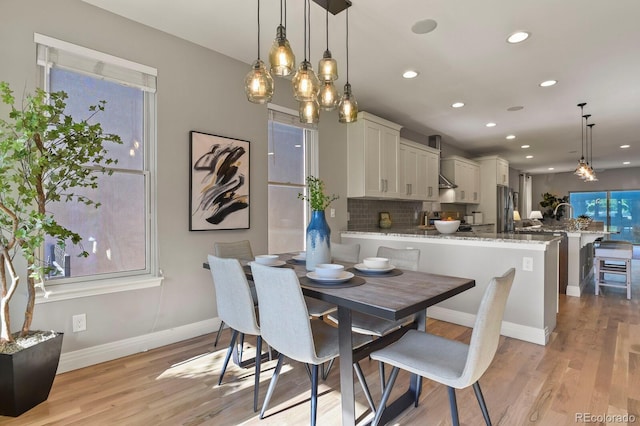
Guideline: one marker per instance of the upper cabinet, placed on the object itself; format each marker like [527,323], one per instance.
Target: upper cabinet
[494,171]
[373,150]
[418,171]
[502,171]
[466,174]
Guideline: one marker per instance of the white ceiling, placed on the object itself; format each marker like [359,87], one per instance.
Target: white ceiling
[592,47]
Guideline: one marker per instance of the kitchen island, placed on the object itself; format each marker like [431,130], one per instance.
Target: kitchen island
[531,309]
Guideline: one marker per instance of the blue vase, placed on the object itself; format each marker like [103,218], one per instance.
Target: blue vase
[318,240]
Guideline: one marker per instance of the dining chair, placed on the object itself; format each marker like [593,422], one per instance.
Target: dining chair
[294,334]
[240,250]
[236,308]
[401,258]
[451,362]
[345,252]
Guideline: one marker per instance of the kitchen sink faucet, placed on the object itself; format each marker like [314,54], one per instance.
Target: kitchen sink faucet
[563,204]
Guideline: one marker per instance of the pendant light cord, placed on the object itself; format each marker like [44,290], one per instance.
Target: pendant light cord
[347,45]
[327,27]
[281,1]
[582,128]
[309,19]
[258,29]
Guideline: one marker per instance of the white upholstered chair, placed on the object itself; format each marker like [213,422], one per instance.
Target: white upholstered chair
[236,308]
[401,258]
[450,362]
[345,252]
[294,334]
[240,250]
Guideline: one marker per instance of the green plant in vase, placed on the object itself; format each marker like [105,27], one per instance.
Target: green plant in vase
[318,238]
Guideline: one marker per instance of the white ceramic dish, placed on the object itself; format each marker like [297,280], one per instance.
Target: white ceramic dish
[364,268]
[376,262]
[345,276]
[300,259]
[329,270]
[267,259]
[276,263]
[446,226]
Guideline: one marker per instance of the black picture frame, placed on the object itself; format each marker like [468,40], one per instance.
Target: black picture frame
[218,182]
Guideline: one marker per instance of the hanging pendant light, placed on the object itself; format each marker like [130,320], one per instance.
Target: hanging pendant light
[305,83]
[581,163]
[258,84]
[309,112]
[348,106]
[592,176]
[281,57]
[586,168]
[328,72]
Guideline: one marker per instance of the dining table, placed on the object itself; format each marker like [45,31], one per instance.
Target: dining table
[392,295]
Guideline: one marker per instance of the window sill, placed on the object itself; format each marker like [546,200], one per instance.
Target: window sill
[86,289]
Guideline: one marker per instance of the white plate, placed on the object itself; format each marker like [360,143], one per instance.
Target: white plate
[345,276]
[299,259]
[276,263]
[363,268]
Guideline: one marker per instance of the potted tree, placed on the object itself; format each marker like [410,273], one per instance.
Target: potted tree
[44,155]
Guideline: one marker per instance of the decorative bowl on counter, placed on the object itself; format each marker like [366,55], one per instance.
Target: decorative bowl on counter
[446,226]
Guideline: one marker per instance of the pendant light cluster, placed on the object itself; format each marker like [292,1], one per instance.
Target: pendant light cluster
[584,170]
[311,91]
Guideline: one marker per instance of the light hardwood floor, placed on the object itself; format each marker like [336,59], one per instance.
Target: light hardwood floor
[591,366]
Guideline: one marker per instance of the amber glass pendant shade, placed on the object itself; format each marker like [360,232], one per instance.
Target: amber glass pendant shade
[305,83]
[328,97]
[258,84]
[281,56]
[348,106]
[309,112]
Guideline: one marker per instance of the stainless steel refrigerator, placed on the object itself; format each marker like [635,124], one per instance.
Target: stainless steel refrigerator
[504,217]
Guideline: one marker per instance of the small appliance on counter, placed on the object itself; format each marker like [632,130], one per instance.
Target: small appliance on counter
[468,219]
[477,217]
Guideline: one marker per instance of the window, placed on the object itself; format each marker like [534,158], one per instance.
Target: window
[120,235]
[619,210]
[291,156]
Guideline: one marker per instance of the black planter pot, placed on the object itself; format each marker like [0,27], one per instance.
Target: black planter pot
[26,377]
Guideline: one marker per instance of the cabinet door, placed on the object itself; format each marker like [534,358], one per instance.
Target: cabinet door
[373,184]
[461,178]
[474,184]
[502,175]
[389,149]
[433,169]
[419,191]
[408,171]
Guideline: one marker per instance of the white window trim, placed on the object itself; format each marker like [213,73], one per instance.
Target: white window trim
[151,277]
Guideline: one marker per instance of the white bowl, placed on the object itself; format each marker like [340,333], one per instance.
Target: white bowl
[376,262]
[302,255]
[446,226]
[267,259]
[329,270]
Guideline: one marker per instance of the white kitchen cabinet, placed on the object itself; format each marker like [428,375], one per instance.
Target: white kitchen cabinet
[373,149]
[466,174]
[502,171]
[418,171]
[494,171]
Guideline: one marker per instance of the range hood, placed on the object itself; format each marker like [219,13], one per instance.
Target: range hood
[443,182]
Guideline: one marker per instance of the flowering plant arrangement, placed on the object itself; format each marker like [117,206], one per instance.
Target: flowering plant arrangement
[316,196]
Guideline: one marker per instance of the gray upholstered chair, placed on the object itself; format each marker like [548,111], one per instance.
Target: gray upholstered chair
[236,308]
[401,258]
[240,250]
[295,335]
[345,252]
[450,362]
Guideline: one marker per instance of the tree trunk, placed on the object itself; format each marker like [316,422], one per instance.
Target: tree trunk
[6,294]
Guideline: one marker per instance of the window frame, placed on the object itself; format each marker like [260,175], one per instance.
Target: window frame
[130,74]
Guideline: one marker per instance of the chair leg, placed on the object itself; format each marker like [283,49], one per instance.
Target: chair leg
[454,406]
[256,385]
[483,405]
[327,370]
[385,396]
[234,336]
[365,387]
[382,375]
[215,344]
[314,394]
[272,385]
[240,347]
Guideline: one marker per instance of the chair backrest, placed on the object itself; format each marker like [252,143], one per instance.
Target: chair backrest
[486,331]
[345,252]
[401,258]
[284,319]
[233,296]
[236,249]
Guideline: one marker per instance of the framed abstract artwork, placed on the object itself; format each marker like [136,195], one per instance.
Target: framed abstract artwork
[219,183]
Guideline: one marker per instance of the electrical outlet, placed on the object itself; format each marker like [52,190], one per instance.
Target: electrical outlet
[332,212]
[527,263]
[79,322]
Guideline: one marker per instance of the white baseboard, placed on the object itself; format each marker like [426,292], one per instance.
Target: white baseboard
[509,329]
[110,351]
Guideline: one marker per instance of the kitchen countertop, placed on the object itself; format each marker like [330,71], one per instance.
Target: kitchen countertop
[474,236]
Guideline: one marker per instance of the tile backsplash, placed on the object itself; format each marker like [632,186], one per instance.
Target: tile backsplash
[364,214]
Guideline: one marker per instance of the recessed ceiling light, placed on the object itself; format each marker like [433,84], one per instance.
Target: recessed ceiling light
[425,26]
[515,108]
[297,145]
[457,104]
[510,137]
[548,83]
[410,74]
[490,124]
[270,153]
[525,146]
[624,146]
[626,162]
[518,37]
[551,168]
[529,156]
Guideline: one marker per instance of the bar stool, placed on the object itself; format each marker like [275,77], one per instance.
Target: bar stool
[613,257]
